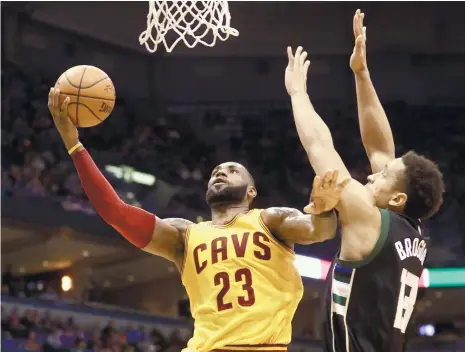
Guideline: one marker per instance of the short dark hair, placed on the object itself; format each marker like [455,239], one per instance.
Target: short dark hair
[423,184]
[251,179]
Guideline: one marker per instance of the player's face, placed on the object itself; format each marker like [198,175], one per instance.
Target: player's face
[229,183]
[384,186]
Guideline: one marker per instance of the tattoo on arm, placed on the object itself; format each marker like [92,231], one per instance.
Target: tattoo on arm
[292,226]
[168,239]
[181,226]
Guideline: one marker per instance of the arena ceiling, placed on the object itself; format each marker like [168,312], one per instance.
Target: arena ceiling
[266,28]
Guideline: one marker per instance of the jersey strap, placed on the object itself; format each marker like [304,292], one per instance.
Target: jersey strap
[377,248]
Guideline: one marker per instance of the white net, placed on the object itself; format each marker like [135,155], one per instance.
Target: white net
[192,22]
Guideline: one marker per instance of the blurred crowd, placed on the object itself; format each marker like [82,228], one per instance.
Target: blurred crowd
[31,159]
[32,331]
[181,151]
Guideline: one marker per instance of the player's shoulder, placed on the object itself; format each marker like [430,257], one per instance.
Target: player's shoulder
[273,217]
[280,211]
[179,224]
[404,225]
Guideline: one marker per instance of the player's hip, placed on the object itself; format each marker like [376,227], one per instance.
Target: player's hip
[264,347]
[242,348]
[261,334]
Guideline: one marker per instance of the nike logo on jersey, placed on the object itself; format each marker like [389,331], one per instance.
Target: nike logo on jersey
[408,248]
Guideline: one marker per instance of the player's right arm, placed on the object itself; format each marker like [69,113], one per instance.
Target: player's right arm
[358,214]
[374,125]
[143,229]
[313,132]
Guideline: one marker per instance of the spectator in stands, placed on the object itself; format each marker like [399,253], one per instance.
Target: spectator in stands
[53,341]
[176,342]
[8,279]
[107,333]
[15,328]
[31,343]
[81,345]
[30,320]
[5,290]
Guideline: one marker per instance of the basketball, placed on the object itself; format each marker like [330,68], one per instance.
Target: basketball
[91,92]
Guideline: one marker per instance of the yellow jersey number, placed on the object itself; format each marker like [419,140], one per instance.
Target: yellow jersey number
[242,275]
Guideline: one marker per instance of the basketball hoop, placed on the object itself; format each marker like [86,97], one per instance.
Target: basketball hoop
[193,21]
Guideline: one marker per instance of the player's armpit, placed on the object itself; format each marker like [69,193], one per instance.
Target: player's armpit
[292,226]
[357,204]
[360,219]
[168,239]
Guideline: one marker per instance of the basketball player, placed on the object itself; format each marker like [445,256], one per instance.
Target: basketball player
[238,269]
[373,281]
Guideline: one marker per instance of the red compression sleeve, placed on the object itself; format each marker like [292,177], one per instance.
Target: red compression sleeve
[135,224]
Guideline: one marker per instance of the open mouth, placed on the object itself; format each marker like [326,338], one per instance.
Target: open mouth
[219,182]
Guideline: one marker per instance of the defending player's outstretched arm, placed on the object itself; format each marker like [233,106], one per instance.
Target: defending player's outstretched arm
[141,228]
[374,125]
[313,133]
[358,213]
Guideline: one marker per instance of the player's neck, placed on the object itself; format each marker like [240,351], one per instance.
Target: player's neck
[223,214]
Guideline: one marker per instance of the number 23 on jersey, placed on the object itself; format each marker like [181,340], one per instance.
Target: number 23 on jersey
[223,279]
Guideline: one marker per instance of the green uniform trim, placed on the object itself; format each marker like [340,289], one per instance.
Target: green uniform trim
[378,246]
[339,299]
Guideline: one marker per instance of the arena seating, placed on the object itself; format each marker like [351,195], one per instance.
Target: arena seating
[29,325]
[55,326]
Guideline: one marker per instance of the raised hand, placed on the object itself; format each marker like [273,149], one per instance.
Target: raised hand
[296,71]
[358,60]
[326,193]
[65,127]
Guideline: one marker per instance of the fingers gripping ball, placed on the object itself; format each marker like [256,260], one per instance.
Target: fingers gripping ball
[91,92]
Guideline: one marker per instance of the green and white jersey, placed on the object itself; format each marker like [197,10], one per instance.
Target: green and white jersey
[368,304]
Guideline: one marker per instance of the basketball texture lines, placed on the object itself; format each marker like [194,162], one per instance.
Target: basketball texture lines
[91,92]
